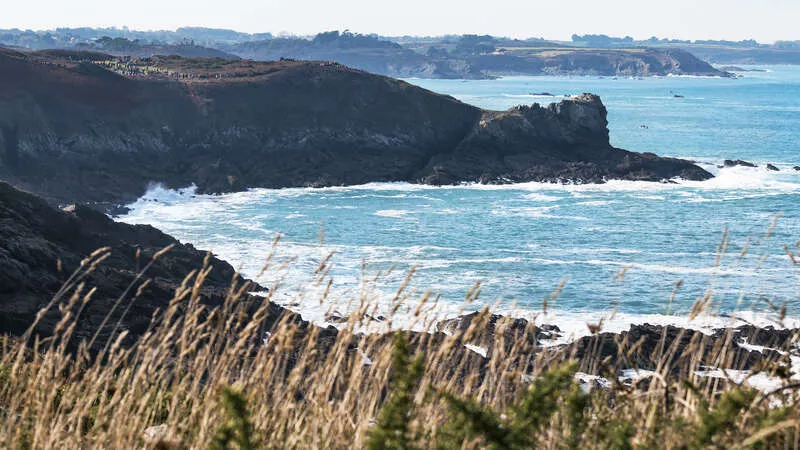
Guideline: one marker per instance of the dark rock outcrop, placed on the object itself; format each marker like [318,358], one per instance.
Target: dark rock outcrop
[737,162]
[565,141]
[10,139]
[773,168]
[644,345]
[96,136]
[641,346]
[481,329]
[40,246]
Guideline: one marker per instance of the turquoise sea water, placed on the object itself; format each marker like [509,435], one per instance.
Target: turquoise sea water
[522,240]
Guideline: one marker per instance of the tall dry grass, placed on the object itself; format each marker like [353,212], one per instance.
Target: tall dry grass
[204,377]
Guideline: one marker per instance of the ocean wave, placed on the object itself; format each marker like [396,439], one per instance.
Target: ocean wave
[541,197]
[395,213]
[731,179]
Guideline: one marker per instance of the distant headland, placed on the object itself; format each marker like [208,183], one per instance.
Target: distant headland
[459,56]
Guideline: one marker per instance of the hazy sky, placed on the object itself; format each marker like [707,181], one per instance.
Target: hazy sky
[764,20]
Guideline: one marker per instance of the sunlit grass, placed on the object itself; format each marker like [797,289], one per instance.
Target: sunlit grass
[235,376]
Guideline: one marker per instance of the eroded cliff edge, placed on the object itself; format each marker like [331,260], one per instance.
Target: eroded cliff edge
[72,130]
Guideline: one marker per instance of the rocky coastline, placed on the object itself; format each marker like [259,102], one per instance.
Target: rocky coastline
[101,131]
[41,247]
[83,134]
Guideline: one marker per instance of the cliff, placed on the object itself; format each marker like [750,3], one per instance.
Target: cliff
[102,131]
[477,57]
[465,56]
[41,247]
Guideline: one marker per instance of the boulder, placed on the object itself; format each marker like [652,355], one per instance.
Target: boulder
[737,162]
[480,329]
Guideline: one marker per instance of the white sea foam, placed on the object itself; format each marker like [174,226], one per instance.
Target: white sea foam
[759,380]
[396,213]
[179,212]
[733,179]
[479,350]
[541,197]
[598,203]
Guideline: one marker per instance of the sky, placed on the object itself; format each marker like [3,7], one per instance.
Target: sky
[763,20]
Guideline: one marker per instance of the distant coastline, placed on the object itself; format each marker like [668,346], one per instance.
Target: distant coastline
[450,57]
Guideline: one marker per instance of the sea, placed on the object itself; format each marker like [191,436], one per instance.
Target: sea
[619,253]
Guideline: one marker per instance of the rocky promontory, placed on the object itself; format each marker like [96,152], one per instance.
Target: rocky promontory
[41,247]
[100,130]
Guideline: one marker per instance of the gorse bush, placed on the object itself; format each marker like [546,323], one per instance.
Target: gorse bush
[519,427]
[205,377]
[237,428]
[392,431]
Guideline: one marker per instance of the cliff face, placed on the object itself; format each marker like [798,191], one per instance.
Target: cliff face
[493,58]
[565,141]
[73,131]
[627,62]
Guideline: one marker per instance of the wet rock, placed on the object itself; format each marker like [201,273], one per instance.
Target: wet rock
[481,330]
[737,162]
[772,167]
[642,346]
[335,317]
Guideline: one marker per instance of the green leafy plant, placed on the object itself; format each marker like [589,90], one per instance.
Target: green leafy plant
[519,427]
[392,430]
[237,429]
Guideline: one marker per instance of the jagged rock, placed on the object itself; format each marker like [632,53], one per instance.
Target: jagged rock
[772,167]
[642,346]
[639,347]
[562,141]
[737,162]
[485,326]
[40,247]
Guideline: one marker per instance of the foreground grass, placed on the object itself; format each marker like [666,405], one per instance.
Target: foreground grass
[220,378]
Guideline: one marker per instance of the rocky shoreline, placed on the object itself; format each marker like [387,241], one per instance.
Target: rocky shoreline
[643,347]
[41,246]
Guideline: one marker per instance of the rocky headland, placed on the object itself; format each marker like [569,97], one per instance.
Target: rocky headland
[456,57]
[91,128]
